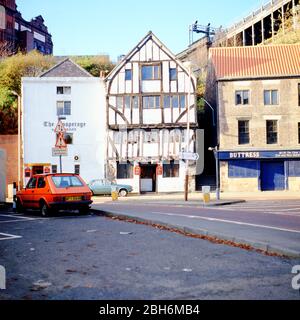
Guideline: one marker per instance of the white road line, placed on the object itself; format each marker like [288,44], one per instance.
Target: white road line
[12,216]
[20,220]
[8,236]
[227,221]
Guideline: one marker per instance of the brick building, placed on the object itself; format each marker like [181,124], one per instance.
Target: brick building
[258,103]
[18,34]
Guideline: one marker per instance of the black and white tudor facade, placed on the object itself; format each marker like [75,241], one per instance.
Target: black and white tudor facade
[147,112]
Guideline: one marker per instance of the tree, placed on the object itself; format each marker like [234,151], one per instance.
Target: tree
[95,65]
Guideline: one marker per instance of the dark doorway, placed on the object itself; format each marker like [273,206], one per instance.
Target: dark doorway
[37,170]
[272,176]
[148,178]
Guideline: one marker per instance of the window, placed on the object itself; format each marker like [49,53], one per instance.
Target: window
[41,183]
[77,169]
[270,97]
[243,169]
[66,181]
[54,168]
[174,101]
[171,170]
[63,108]
[242,97]
[243,132]
[173,74]
[151,72]
[272,135]
[63,90]
[151,102]
[31,184]
[128,74]
[125,170]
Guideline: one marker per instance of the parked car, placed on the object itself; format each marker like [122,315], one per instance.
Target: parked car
[49,192]
[104,187]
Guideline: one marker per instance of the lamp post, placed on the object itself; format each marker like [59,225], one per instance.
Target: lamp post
[187,143]
[19,139]
[215,151]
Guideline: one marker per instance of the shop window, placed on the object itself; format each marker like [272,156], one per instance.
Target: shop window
[63,90]
[244,137]
[242,97]
[151,72]
[270,97]
[77,169]
[272,134]
[243,169]
[171,169]
[124,170]
[294,168]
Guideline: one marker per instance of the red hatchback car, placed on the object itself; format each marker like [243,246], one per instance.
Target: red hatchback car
[50,192]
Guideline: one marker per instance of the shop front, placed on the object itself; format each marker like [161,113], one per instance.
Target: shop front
[249,171]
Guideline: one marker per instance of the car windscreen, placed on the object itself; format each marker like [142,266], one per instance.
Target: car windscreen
[66,182]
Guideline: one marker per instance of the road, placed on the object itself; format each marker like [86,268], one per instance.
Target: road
[266,225]
[94,257]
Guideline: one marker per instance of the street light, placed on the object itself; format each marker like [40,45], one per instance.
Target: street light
[19,138]
[215,151]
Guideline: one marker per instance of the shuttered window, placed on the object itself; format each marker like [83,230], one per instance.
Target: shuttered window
[243,169]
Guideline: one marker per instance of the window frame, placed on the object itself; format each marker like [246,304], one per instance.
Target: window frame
[124,173]
[64,89]
[171,169]
[270,140]
[243,137]
[128,74]
[64,108]
[156,98]
[155,74]
[270,97]
[243,99]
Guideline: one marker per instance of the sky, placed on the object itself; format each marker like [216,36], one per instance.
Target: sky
[114,27]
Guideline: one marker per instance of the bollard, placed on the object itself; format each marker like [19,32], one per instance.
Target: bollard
[206,194]
[14,196]
[114,193]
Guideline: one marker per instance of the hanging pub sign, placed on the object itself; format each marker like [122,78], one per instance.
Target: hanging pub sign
[159,170]
[46,170]
[27,172]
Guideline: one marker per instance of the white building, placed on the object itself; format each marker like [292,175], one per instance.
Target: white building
[147,107]
[66,91]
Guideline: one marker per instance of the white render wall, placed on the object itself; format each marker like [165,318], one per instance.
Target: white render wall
[87,123]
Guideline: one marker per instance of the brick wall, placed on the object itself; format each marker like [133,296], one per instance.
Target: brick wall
[10,144]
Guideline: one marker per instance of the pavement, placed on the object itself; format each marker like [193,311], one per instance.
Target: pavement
[268,225]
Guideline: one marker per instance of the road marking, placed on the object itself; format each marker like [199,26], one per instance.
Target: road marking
[20,220]
[6,236]
[15,216]
[227,221]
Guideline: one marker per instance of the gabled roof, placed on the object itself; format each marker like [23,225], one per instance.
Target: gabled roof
[66,69]
[150,35]
[256,62]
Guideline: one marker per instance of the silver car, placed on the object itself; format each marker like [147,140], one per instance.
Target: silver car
[104,187]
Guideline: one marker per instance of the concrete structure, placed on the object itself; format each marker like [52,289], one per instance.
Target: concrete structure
[18,34]
[70,92]
[9,163]
[258,99]
[147,113]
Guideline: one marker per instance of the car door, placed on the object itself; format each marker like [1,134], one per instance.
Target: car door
[40,191]
[28,194]
[107,187]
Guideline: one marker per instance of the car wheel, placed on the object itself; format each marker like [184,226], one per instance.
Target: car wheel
[44,209]
[123,193]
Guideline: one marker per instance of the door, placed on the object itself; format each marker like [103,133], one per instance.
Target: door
[272,176]
[148,178]
[29,193]
[37,170]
